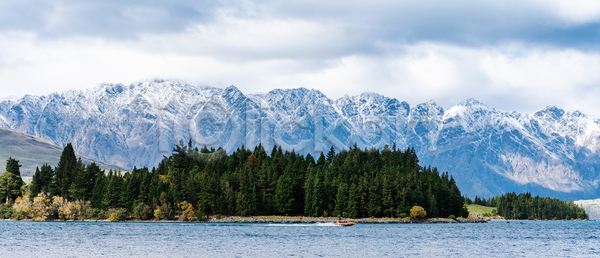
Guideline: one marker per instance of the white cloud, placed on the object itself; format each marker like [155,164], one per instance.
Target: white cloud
[410,50]
[235,38]
[573,12]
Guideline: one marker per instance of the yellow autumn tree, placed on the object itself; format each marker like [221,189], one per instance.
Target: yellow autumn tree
[22,208]
[42,207]
[117,215]
[73,210]
[417,212]
[82,207]
[187,211]
[113,217]
[157,214]
[61,206]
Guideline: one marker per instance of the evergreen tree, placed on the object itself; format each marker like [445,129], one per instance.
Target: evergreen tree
[331,155]
[42,181]
[353,202]
[283,195]
[205,186]
[341,200]
[65,172]
[34,186]
[87,180]
[308,192]
[99,190]
[12,166]
[374,204]
[11,181]
[112,193]
[45,179]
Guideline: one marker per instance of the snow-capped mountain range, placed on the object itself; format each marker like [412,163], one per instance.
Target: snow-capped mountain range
[489,152]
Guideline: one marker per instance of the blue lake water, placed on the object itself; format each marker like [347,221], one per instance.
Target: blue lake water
[494,239]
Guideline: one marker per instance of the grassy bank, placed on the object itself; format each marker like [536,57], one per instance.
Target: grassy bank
[482,212]
[474,208]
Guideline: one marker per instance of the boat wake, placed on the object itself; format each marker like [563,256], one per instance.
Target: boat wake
[327,224]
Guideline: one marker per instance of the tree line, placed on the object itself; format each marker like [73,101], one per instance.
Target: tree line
[489,202]
[353,183]
[525,206]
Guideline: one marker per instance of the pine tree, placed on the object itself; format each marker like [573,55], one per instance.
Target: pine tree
[87,180]
[374,196]
[341,200]
[11,181]
[42,181]
[321,161]
[65,171]
[387,199]
[283,194]
[203,183]
[98,191]
[331,155]
[308,191]
[34,186]
[113,191]
[12,166]
[353,202]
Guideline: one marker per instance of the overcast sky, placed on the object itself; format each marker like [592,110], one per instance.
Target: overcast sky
[511,55]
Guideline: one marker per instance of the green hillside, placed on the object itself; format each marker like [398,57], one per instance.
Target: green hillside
[33,151]
[474,208]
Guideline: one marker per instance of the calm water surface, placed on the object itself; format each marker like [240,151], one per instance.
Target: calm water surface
[494,239]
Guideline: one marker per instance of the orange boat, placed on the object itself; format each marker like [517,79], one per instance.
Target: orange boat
[344,223]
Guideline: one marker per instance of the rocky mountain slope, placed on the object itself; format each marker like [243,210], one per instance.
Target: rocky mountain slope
[34,152]
[489,152]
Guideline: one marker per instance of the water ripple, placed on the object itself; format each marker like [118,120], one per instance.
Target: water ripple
[495,239]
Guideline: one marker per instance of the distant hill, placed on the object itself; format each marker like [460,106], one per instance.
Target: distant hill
[33,152]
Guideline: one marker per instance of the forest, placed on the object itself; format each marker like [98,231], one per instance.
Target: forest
[193,184]
[490,202]
[525,206]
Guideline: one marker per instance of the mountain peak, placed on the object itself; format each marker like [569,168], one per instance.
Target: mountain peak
[577,113]
[429,108]
[291,90]
[233,93]
[371,95]
[468,106]
[232,88]
[471,102]
[429,104]
[113,88]
[550,111]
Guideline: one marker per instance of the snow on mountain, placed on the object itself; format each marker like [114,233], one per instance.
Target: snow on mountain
[552,152]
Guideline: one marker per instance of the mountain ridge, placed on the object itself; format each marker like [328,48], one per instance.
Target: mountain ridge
[489,152]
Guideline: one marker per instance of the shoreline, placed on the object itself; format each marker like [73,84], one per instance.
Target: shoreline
[284,220]
[301,220]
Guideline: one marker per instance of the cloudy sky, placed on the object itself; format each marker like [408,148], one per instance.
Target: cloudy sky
[511,55]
